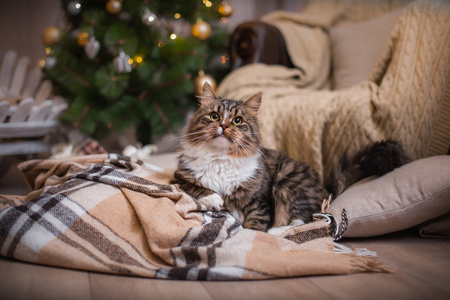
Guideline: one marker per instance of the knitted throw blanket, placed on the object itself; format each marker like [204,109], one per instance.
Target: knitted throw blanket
[116,215]
[406,99]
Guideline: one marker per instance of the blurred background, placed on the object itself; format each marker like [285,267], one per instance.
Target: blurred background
[23,21]
[114,106]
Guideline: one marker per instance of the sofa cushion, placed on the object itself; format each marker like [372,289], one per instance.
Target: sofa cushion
[406,197]
[436,228]
[357,47]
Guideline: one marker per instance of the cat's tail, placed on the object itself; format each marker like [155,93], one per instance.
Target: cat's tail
[377,159]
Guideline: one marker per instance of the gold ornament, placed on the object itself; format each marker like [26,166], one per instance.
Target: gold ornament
[114,6]
[225,9]
[201,79]
[201,30]
[50,35]
[82,38]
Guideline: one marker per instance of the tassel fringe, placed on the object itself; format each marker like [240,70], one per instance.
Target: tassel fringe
[339,248]
[370,264]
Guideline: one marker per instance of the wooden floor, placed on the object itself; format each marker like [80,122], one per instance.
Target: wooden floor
[423,272]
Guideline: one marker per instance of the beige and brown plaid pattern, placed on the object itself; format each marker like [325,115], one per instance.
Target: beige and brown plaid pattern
[113,214]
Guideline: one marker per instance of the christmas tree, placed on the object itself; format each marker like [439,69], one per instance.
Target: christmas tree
[135,63]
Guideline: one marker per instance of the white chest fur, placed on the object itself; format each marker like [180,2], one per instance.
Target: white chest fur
[221,173]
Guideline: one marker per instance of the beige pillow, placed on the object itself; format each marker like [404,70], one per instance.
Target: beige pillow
[437,228]
[357,47]
[406,197]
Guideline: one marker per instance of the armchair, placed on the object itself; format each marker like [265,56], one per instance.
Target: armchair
[257,41]
[293,59]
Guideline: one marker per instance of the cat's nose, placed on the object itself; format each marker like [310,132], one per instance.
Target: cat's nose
[224,126]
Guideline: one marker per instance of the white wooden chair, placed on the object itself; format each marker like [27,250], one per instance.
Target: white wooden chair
[27,115]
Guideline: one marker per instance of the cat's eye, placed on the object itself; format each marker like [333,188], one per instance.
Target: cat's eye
[237,121]
[214,116]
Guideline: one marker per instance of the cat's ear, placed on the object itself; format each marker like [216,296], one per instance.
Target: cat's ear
[208,95]
[253,103]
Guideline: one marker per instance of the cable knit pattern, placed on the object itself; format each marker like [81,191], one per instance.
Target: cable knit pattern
[407,97]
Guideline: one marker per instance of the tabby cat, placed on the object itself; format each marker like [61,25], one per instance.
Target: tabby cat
[223,165]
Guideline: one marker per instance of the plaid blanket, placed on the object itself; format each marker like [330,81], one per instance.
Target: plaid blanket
[114,214]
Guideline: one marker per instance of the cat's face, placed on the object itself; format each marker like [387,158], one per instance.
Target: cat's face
[224,126]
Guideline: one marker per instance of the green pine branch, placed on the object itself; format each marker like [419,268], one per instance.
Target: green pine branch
[155,96]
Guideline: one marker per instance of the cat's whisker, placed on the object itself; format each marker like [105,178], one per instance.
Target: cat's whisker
[247,148]
[244,144]
[197,141]
[182,136]
[207,131]
[261,152]
[258,150]
[174,148]
[197,132]
[204,138]
[240,143]
[200,136]
[203,144]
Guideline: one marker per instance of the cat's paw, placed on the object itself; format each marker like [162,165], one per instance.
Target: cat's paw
[212,202]
[278,231]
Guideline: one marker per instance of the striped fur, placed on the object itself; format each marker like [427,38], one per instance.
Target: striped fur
[223,165]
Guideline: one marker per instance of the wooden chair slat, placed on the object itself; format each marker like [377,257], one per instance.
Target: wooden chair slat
[32,83]
[23,111]
[6,70]
[26,129]
[57,111]
[43,92]
[41,112]
[18,79]
[4,110]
